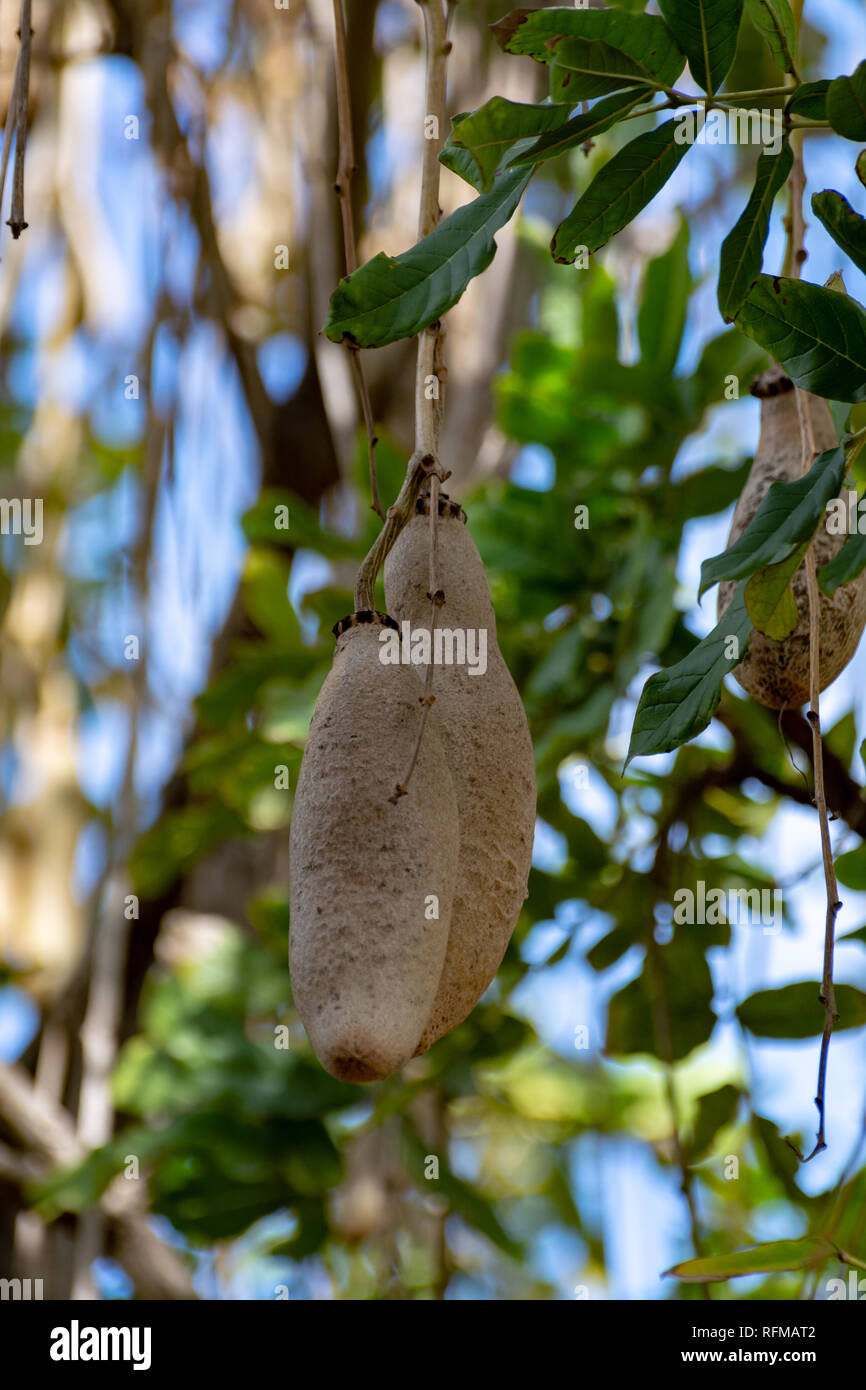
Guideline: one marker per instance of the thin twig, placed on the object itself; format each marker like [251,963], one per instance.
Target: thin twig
[797,256]
[343,189]
[7,133]
[428,405]
[22,87]
[428,408]
[843,793]
[346,163]
[735,101]
[399,514]
[436,55]
[797,188]
[760,93]
[369,427]
[669,104]
[802,771]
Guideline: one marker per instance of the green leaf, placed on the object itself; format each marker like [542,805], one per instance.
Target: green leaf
[776,1155]
[632,1011]
[585,69]
[771,1258]
[677,703]
[860,167]
[491,131]
[841,738]
[787,516]
[775,23]
[742,249]
[770,598]
[846,564]
[266,584]
[390,298]
[795,1011]
[312,1231]
[264,522]
[582,127]
[706,492]
[469,1203]
[707,31]
[851,869]
[846,104]
[178,839]
[645,39]
[809,100]
[818,336]
[78,1187]
[458,159]
[729,354]
[619,191]
[715,1110]
[614,944]
[662,316]
[846,227]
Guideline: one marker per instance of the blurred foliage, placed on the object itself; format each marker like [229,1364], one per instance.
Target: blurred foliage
[244,1139]
[236,1126]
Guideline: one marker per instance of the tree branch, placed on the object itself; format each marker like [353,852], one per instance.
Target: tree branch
[22,96]
[283,432]
[343,188]
[807,439]
[428,405]
[46,1130]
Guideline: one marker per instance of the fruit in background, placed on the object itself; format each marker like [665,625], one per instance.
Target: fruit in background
[772,671]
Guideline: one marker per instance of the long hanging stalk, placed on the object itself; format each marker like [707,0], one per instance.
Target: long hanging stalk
[21,93]
[428,405]
[795,256]
[345,172]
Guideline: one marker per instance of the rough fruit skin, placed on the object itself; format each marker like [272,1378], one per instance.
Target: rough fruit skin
[775,672]
[365,961]
[489,750]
